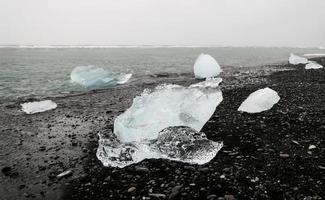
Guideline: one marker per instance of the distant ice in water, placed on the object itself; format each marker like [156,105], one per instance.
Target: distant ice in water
[314,54]
[164,123]
[168,105]
[295,60]
[313,65]
[38,106]
[259,101]
[206,67]
[90,76]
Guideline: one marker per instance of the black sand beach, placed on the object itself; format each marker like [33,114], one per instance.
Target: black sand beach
[265,155]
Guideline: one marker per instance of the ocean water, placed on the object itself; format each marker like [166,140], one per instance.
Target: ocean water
[41,72]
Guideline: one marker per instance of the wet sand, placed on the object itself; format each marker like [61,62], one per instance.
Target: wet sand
[265,155]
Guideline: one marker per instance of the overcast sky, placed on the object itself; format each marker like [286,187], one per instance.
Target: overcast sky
[163,22]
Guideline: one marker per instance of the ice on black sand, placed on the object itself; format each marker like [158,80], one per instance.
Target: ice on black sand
[145,129]
[259,101]
[206,67]
[38,106]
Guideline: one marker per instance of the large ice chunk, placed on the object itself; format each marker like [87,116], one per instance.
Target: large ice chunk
[206,67]
[90,76]
[38,106]
[260,100]
[168,105]
[177,143]
[313,65]
[295,60]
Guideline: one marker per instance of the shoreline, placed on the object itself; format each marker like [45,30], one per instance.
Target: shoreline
[38,147]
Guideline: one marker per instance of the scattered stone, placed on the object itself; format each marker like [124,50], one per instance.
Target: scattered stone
[212,197]
[132,189]
[6,171]
[142,169]
[42,148]
[157,195]
[175,192]
[284,155]
[229,197]
[321,167]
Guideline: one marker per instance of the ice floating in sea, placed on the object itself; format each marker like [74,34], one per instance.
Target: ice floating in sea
[206,67]
[314,54]
[260,100]
[89,76]
[313,65]
[38,106]
[295,60]
[164,123]
[168,105]
[178,143]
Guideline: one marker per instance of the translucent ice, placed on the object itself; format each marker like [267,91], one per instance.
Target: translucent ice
[177,143]
[295,60]
[313,65]
[260,100]
[168,105]
[89,76]
[38,106]
[206,66]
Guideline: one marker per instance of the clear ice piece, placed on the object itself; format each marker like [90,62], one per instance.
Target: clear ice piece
[206,67]
[38,106]
[168,105]
[313,65]
[177,143]
[90,76]
[295,60]
[259,101]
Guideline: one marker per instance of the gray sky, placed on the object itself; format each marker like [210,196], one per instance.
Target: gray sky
[166,22]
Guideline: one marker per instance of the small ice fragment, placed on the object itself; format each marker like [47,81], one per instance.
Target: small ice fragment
[65,173]
[124,78]
[38,106]
[168,105]
[295,60]
[89,76]
[312,147]
[260,100]
[177,143]
[206,67]
[313,65]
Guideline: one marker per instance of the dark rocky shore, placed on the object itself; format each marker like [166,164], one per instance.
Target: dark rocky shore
[265,155]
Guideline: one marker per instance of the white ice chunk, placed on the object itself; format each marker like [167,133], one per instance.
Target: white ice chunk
[260,100]
[89,76]
[38,106]
[177,143]
[295,60]
[168,105]
[206,66]
[313,65]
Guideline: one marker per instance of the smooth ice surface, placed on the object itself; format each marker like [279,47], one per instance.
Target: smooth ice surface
[206,67]
[178,143]
[313,65]
[168,105]
[295,60]
[38,106]
[260,100]
[90,76]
